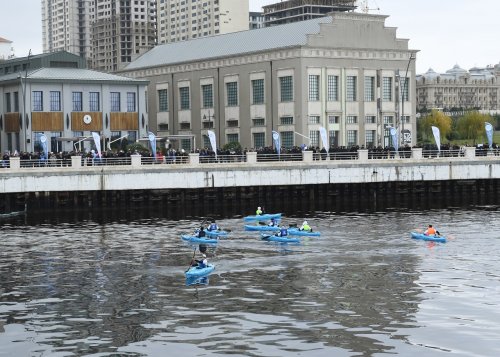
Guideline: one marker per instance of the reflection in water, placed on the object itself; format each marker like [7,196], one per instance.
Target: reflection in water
[101,286]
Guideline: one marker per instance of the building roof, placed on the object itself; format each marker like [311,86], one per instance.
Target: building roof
[71,74]
[231,44]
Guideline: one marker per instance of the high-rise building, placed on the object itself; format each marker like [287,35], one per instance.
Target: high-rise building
[107,33]
[256,20]
[180,20]
[66,26]
[121,31]
[284,12]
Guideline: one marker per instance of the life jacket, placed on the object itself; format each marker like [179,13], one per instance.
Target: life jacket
[213,227]
[431,231]
[306,227]
[202,263]
[283,232]
[258,212]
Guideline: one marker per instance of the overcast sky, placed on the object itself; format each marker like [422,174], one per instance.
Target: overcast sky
[447,32]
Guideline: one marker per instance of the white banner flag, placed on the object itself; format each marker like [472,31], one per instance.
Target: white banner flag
[152,141]
[394,136]
[489,133]
[213,141]
[437,137]
[97,142]
[324,138]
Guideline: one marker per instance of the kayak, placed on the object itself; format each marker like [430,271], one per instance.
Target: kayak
[273,238]
[431,238]
[216,233]
[196,272]
[262,217]
[298,232]
[249,227]
[194,239]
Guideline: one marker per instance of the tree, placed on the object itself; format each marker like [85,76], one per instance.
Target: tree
[471,125]
[438,119]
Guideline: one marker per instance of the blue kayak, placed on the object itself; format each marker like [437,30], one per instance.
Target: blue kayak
[298,232]
[273,238]
[215,233]
[249,227]
[262,217]
[431,238]
[194,239]
[196,272]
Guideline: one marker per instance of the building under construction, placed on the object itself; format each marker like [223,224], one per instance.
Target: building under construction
[299,10]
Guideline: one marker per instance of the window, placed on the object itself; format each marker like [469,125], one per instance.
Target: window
[206,142]
[258,91]
[314,137]
[333,137]
[163,100]
[388,119]
[333,88]
[370,138]
[333,119]
[352,137]
[259,122]
[37,101]
[369,89]
[7,103]
[207,94]
[186,144]
[286,89]
[16,101]
[387,89]
[232,94]
[94,102]
[314,119]
[55,101]
[259,140]
[370,119]
[55,145]
[351,88]
[130,102]
[286,139]
[352,119]
[313,88]
[77,101]
[406,119]
[185,126]
[115,101]
[405,90]
[185,102]
[232,138]
[286,120]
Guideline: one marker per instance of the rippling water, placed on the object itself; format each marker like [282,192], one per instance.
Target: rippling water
[364,288]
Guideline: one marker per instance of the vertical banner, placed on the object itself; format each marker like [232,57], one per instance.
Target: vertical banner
[394,136]
[277,141]
[437,137]
[324,138]
[152,141]
[97,142]
[43,140]
[489,133]
[213,141]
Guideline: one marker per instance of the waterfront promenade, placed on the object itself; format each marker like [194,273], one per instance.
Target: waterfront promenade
[246,171]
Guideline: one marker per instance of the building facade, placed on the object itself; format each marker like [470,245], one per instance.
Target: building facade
[55,95]
[287,11]
[181,20]
[341,72]
[6,50]
[256,20]
[458,90]
[66,26]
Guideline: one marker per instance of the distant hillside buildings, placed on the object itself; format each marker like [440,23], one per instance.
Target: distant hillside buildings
[459,90]
[5,49]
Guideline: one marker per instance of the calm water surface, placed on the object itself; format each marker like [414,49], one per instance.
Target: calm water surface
[364,288]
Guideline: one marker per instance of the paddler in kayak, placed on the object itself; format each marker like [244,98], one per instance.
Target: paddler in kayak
[283,232]
[305,227]
[431,231]
[202,262]
[258,212]
[213,226]
[272,223]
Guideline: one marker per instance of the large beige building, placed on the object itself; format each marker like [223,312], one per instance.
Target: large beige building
[341,72]
[181,20]
[458,89]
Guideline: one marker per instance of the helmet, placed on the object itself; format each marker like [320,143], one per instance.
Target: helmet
[258,207]
[304,223]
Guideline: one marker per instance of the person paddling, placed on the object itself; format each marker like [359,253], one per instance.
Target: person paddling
[258,212]
[430,231]
[283,232]
[201,263]
[305,227]
[200,233]
[272,223]
[213,226]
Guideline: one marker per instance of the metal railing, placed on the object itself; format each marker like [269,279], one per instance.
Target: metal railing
[276,157]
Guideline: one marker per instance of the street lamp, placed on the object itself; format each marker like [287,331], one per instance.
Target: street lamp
[403,97]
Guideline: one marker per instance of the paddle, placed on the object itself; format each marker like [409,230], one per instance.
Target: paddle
[191,262]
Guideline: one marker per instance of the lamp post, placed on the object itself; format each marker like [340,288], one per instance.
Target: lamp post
[403,97]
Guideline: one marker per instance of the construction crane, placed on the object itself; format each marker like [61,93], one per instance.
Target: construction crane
[364,6]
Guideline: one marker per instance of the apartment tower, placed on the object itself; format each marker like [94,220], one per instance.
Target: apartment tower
[181,20]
